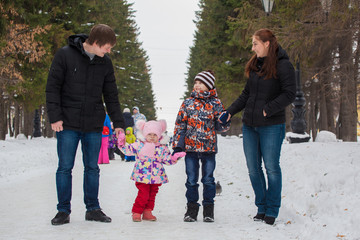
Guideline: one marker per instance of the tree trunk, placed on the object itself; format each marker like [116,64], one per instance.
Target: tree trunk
[314,110]
[288,115]
[329,102]
[356,73]
[348,110]
[48,132]
[17,118]
[28,122]
[2,117]
[10,120]
[323,123]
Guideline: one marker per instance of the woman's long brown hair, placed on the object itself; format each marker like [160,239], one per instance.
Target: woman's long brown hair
[269,68]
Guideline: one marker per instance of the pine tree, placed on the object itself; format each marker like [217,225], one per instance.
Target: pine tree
[31,33]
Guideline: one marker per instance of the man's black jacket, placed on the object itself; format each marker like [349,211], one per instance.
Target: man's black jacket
[76,87]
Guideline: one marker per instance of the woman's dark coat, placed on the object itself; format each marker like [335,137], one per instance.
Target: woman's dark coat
[271,95]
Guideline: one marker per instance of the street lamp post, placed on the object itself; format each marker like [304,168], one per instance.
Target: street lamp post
[298,124]
[268,5]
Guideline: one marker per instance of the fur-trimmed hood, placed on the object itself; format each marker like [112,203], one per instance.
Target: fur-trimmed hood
[164,139]
[157,127]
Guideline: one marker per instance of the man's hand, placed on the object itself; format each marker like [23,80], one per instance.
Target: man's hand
[57,126]
[118,130]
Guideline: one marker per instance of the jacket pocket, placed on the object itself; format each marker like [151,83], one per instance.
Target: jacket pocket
[98,116]
[72,116]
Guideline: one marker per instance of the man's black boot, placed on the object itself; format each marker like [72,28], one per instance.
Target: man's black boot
[61,218]
[97,215]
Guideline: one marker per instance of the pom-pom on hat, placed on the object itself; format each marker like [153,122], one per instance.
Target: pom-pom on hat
[157,127]
[207,77]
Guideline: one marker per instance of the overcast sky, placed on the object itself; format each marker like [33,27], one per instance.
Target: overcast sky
[166,31]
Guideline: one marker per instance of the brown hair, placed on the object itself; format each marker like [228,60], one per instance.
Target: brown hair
[101,34]
[269,68]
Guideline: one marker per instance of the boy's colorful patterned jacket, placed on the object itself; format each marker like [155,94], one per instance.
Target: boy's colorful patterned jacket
[197,122]
[149,170]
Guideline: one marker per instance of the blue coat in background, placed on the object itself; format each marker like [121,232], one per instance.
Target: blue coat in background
[107,123]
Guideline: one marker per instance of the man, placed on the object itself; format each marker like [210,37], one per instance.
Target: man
[81,75]
[137,116]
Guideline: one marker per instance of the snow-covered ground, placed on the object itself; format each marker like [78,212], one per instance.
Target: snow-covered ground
[320,200]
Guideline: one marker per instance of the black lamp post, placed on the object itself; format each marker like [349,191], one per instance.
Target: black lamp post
[298,124]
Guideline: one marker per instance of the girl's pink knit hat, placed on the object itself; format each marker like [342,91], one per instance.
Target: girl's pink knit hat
[157,127]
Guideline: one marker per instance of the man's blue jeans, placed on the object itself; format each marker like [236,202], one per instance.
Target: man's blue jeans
[264,144]
[67,143]
[192,163]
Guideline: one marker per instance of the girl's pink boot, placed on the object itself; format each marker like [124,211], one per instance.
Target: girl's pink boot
[147,215]
[136,217]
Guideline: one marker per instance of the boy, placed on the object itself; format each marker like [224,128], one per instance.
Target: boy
[195,133]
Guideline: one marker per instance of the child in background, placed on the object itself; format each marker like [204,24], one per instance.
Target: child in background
[107,131]
[195,133]
[129,138]
[112,144]
[149,173]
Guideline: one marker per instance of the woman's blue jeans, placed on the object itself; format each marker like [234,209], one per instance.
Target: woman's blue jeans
[192,163]
[264,144]
[67,144]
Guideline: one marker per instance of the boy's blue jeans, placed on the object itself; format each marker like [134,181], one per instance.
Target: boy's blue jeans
[264,144]
[192,163]
[67,143]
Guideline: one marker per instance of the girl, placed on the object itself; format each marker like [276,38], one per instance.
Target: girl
[151,153]
[107,131]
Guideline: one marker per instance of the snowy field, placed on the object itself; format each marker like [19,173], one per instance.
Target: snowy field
[320,198]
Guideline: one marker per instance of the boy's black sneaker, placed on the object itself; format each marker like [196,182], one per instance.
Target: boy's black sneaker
[208,213]
[61,218]
[269,220]
[191,212]
[259,217]
[97,215]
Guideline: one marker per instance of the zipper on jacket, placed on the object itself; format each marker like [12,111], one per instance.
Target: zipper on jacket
[74,74]
[253,110]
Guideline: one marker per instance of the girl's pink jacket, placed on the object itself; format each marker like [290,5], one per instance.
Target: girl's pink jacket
[149,170]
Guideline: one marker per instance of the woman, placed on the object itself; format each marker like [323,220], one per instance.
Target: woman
[270,88]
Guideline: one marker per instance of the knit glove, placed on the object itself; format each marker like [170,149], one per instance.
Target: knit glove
[177,155]
[176,150]
[121,139]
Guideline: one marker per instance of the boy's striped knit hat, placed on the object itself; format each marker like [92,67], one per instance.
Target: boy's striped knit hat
[207,77]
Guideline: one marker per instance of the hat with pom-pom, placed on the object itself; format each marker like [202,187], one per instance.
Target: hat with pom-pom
[206,77]
[157,127]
